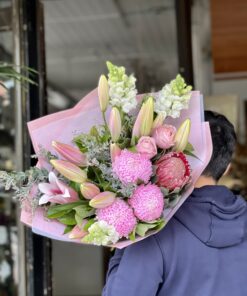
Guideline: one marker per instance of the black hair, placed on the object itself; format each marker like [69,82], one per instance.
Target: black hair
[224,142]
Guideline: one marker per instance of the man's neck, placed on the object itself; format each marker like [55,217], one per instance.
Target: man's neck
[204,181]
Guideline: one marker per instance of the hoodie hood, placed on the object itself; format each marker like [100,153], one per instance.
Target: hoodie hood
[215,216]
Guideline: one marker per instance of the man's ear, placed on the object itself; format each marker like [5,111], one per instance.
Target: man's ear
[227,169]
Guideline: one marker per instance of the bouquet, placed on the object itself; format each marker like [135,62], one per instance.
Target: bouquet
[116,167]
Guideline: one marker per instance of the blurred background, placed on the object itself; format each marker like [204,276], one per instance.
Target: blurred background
[68,42]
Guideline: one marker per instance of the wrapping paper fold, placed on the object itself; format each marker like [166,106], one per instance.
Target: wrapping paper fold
[64,125]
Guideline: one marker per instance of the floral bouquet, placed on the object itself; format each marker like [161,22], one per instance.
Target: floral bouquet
[116,167]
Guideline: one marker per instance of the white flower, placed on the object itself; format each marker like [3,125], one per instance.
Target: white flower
[173,98]
[122,88]
[101,233]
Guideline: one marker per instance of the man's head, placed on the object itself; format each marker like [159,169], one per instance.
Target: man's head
[224,142]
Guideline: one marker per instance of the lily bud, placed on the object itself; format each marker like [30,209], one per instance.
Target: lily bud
[158,121]
[70,153]
[148,116]
[182,136]
[103,93]
[115,124]
[89,190]
[136,127]
[102,200]
[115,151]
[69,170]
[78,231]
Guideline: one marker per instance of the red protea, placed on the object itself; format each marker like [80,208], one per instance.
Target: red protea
[173,171]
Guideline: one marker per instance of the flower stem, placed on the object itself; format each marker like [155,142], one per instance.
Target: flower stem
[104,118]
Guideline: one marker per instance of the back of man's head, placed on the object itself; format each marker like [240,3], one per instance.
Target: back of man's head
[224,142]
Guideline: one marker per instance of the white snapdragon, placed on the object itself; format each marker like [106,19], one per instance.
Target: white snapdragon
[122,88]
[173,98]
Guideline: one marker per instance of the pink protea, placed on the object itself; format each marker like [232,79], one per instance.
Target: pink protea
[119,215]
[132,167]
[173,171]
[147,202]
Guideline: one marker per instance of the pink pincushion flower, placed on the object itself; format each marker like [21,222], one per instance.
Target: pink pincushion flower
[131,167]
[147,202]
[164,136]
[147,147]
[56,191]
[119,215]
[173,171]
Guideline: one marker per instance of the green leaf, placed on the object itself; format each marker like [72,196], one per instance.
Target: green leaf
[60,210]
[132,149]
[191,154]
[94,132]
[84,211]
[189,147]
[106,137]
[89,223]
[173,202]
[142,228]
[164,190]
[75,186]
[68,228]
[68,219]
[132,235]
[78,219]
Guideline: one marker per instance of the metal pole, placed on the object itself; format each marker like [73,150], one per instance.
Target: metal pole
[16,19]
[184,41]
[35,251]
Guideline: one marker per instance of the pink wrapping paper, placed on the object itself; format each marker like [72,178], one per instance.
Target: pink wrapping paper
[64,125]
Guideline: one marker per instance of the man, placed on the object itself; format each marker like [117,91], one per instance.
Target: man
[203,249]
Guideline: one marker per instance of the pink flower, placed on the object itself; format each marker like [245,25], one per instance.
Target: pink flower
[102,200]
[173,171]
[164,136]
[56,191]
[70,153]
[89,190]
[147,147]
[119,215]
[78,231]
[132,167]
[147,202]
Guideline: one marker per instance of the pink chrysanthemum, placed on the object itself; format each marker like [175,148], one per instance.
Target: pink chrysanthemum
[131,167]
[147,202]
[119,215]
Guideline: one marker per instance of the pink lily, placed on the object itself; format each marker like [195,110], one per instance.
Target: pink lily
[70,153]
[115,151]
[102,200]
[89,190]
[78,231]
[56,191]
[69,170]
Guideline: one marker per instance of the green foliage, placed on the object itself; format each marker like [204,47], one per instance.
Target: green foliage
[89,223]
[10,71]
[58,211]
[189,150]
[68,228]
[84,211]
[68,219]
[142,228]
[22,182]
